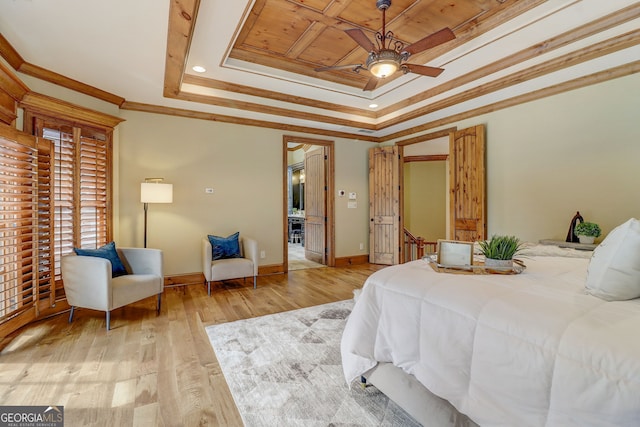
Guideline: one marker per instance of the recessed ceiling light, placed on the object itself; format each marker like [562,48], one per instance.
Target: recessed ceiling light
[373,105]
[199,69]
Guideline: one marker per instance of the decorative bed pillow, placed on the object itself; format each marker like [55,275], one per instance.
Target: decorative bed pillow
[109,252]
[614,269]
[225,247]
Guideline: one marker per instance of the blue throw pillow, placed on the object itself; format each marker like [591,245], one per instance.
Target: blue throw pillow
[109,252]
[225,247]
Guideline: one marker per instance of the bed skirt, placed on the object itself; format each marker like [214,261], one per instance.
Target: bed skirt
[424,406]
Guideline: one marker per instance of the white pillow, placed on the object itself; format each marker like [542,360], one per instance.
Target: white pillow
[614,269]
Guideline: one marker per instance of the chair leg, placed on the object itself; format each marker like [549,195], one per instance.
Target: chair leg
[71,314]
[108,320]
[159,303]
[209,287]
[255,284]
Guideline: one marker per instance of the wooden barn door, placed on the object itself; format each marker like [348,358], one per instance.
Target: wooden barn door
[468,205]
[315,229]
[384,205]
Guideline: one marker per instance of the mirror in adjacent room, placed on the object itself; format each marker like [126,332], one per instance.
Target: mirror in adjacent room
[296,188]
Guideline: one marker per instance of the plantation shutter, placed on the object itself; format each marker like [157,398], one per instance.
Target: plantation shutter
[55,193]
[93,190]
[23,256]
[81,191]
[46,278]
[62,225]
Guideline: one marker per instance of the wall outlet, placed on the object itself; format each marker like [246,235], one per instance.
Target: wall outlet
[361,246]
[263,254]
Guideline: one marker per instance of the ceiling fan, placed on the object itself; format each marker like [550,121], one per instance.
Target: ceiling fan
[389,55]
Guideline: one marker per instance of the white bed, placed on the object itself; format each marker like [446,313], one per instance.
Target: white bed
[532,349]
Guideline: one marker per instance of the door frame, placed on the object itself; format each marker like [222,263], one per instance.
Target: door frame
[329,199]
[422,138]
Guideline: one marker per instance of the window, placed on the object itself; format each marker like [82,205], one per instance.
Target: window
[81,189]
[25,274]
[55,193]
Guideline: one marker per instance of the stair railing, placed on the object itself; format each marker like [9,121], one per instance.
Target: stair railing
[416,247]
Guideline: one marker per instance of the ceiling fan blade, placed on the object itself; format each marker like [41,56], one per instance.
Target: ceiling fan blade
[435,39]
[360,37]
[354,67]
[424,70]
[371,84]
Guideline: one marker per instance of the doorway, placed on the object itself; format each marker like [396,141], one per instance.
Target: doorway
[408,202]
[308,206]
[425,190]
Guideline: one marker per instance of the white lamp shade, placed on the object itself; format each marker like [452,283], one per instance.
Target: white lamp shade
[156,192]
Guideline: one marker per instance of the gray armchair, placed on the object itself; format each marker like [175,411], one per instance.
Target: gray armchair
[88,283]
[230,268]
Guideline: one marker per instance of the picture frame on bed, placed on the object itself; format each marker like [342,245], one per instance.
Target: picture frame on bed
[455,253]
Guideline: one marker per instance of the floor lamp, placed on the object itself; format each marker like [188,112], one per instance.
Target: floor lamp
[152,190]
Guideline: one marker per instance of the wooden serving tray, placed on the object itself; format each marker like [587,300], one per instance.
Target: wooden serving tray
[478,267]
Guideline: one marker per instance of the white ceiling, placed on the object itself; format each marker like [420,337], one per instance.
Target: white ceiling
[119,46]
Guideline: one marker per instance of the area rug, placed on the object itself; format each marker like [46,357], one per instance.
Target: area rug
[284,370]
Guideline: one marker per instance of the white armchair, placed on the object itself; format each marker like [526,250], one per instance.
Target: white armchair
[230,268]
[88,283]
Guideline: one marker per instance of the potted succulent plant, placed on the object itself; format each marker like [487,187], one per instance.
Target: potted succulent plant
[587,231]
[500,250]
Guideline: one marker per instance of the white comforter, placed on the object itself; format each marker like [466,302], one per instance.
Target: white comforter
[507,350]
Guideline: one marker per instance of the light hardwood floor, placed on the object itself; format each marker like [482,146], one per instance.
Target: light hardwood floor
[153,370]
[297,260]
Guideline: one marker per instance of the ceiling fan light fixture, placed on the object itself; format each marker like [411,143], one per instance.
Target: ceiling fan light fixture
[382,69]
[389,55]
[384,63]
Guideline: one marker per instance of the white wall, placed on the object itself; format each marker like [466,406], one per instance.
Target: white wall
[425,199]
[576,151]
[243,165]
[352,176]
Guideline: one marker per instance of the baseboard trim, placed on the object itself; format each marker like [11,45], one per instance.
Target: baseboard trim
[263,270]
[198,278]
[352,260]
[183,279]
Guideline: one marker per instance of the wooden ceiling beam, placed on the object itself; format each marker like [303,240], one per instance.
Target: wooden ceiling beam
[182,21]
[15,60]
[60,80]
[277,111]
[178,112]
[10,54]
[278,96]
